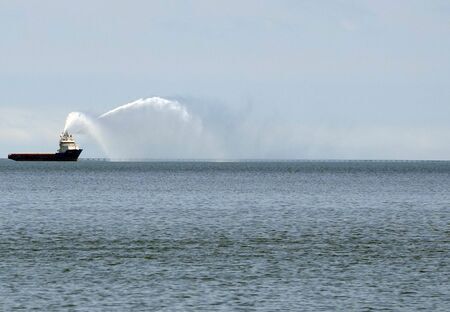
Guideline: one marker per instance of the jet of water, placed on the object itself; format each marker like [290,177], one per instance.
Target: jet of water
[156,103]
[151,128]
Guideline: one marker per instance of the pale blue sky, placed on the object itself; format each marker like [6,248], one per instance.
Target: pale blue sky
[322,79]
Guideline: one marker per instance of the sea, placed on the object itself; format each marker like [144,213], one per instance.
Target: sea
[225,236]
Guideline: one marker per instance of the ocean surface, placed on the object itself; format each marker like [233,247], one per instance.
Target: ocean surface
[225,236]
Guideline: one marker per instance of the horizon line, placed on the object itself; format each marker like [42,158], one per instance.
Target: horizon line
[105,159]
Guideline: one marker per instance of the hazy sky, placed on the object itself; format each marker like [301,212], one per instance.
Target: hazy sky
[295,79]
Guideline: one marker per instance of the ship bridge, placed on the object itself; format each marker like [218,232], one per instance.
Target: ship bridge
[66,142]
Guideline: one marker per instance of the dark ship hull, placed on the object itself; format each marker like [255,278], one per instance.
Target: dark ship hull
[69,155]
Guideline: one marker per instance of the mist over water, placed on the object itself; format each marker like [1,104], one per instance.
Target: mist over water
[151,128]
[159,128]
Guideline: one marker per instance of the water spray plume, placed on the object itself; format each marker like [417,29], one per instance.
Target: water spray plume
[156,103]
[77,122]
[146,128]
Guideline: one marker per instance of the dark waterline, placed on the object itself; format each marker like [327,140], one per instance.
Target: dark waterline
[218,236]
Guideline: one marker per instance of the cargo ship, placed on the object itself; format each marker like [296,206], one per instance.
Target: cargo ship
[68,151]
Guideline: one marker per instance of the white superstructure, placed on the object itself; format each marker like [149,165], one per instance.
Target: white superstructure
[66,142]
